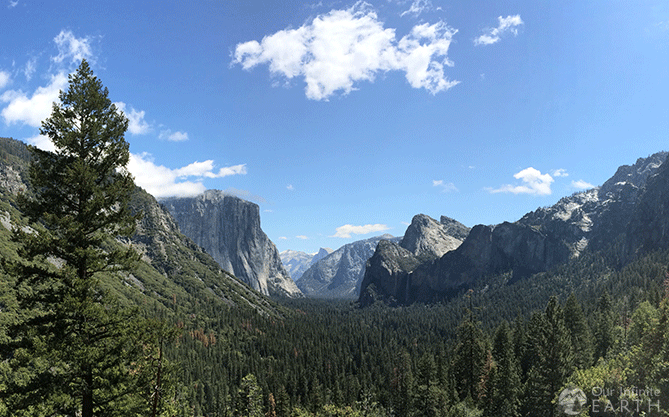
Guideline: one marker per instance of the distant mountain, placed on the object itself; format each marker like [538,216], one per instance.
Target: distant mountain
[338,275]
[228,228]
[296,262]
[629,209]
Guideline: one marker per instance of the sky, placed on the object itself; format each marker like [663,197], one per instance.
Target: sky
[344,119]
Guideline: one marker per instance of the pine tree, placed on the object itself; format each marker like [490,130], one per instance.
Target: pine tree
[471,354]
[74,344]
[550,345]
[504,393]
[579,331]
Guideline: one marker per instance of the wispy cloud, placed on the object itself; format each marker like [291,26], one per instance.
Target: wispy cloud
[136,123]
[506,25]
[418,7]
[303,237]
[533,182]
[167,134]
[347,230]
[560,173]
[161,181]
[72,49]
[444,186]
[337,50]
[13,4]
[581,185]
[5,78]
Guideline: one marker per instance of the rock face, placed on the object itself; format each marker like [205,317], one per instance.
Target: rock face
[297,262]
[632,207]
[387,275]
[339,274]
[228,228]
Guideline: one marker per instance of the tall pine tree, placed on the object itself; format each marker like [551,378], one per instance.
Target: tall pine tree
[75,347]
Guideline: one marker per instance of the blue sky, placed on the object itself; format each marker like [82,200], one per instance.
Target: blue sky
[343,120]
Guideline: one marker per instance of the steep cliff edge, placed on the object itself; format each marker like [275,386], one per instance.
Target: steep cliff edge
[228,228]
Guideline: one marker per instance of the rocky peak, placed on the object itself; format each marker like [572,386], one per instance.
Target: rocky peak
[427,238]
[228,228]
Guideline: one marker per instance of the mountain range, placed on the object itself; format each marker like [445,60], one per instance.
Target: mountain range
[296,262]
[626,215]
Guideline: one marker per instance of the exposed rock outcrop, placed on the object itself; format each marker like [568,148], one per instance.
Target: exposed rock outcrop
[228,228]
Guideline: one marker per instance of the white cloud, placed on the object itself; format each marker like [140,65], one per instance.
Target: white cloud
[283,238]
[343,47]
[290,187]
[445,186]
[581,185]
[346,230]
[32,110]
[560,173]
[13,4]
[303,237]
[71,48]
[30,68]
[533,182]
[173,136]
[136,123]
[5,78]
[418,7]
[161,181]
[42,142]
[507,24]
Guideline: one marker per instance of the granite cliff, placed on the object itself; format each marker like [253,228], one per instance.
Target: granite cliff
[228,228]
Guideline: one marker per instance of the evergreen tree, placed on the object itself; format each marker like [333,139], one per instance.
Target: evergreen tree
[504,393]
[579,332]
[604,328]
[470,357]
[73,345]
[550,345]
[250,402]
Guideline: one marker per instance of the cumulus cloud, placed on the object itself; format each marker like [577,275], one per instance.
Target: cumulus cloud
[444,186]
[581,185]
[344,47]
[32,110]
[506,25]
[347,230]
[173,136]
[71,49]
[5,77]
[161,181]
[136,123]
[533,182]
[290,187]
[560,173]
